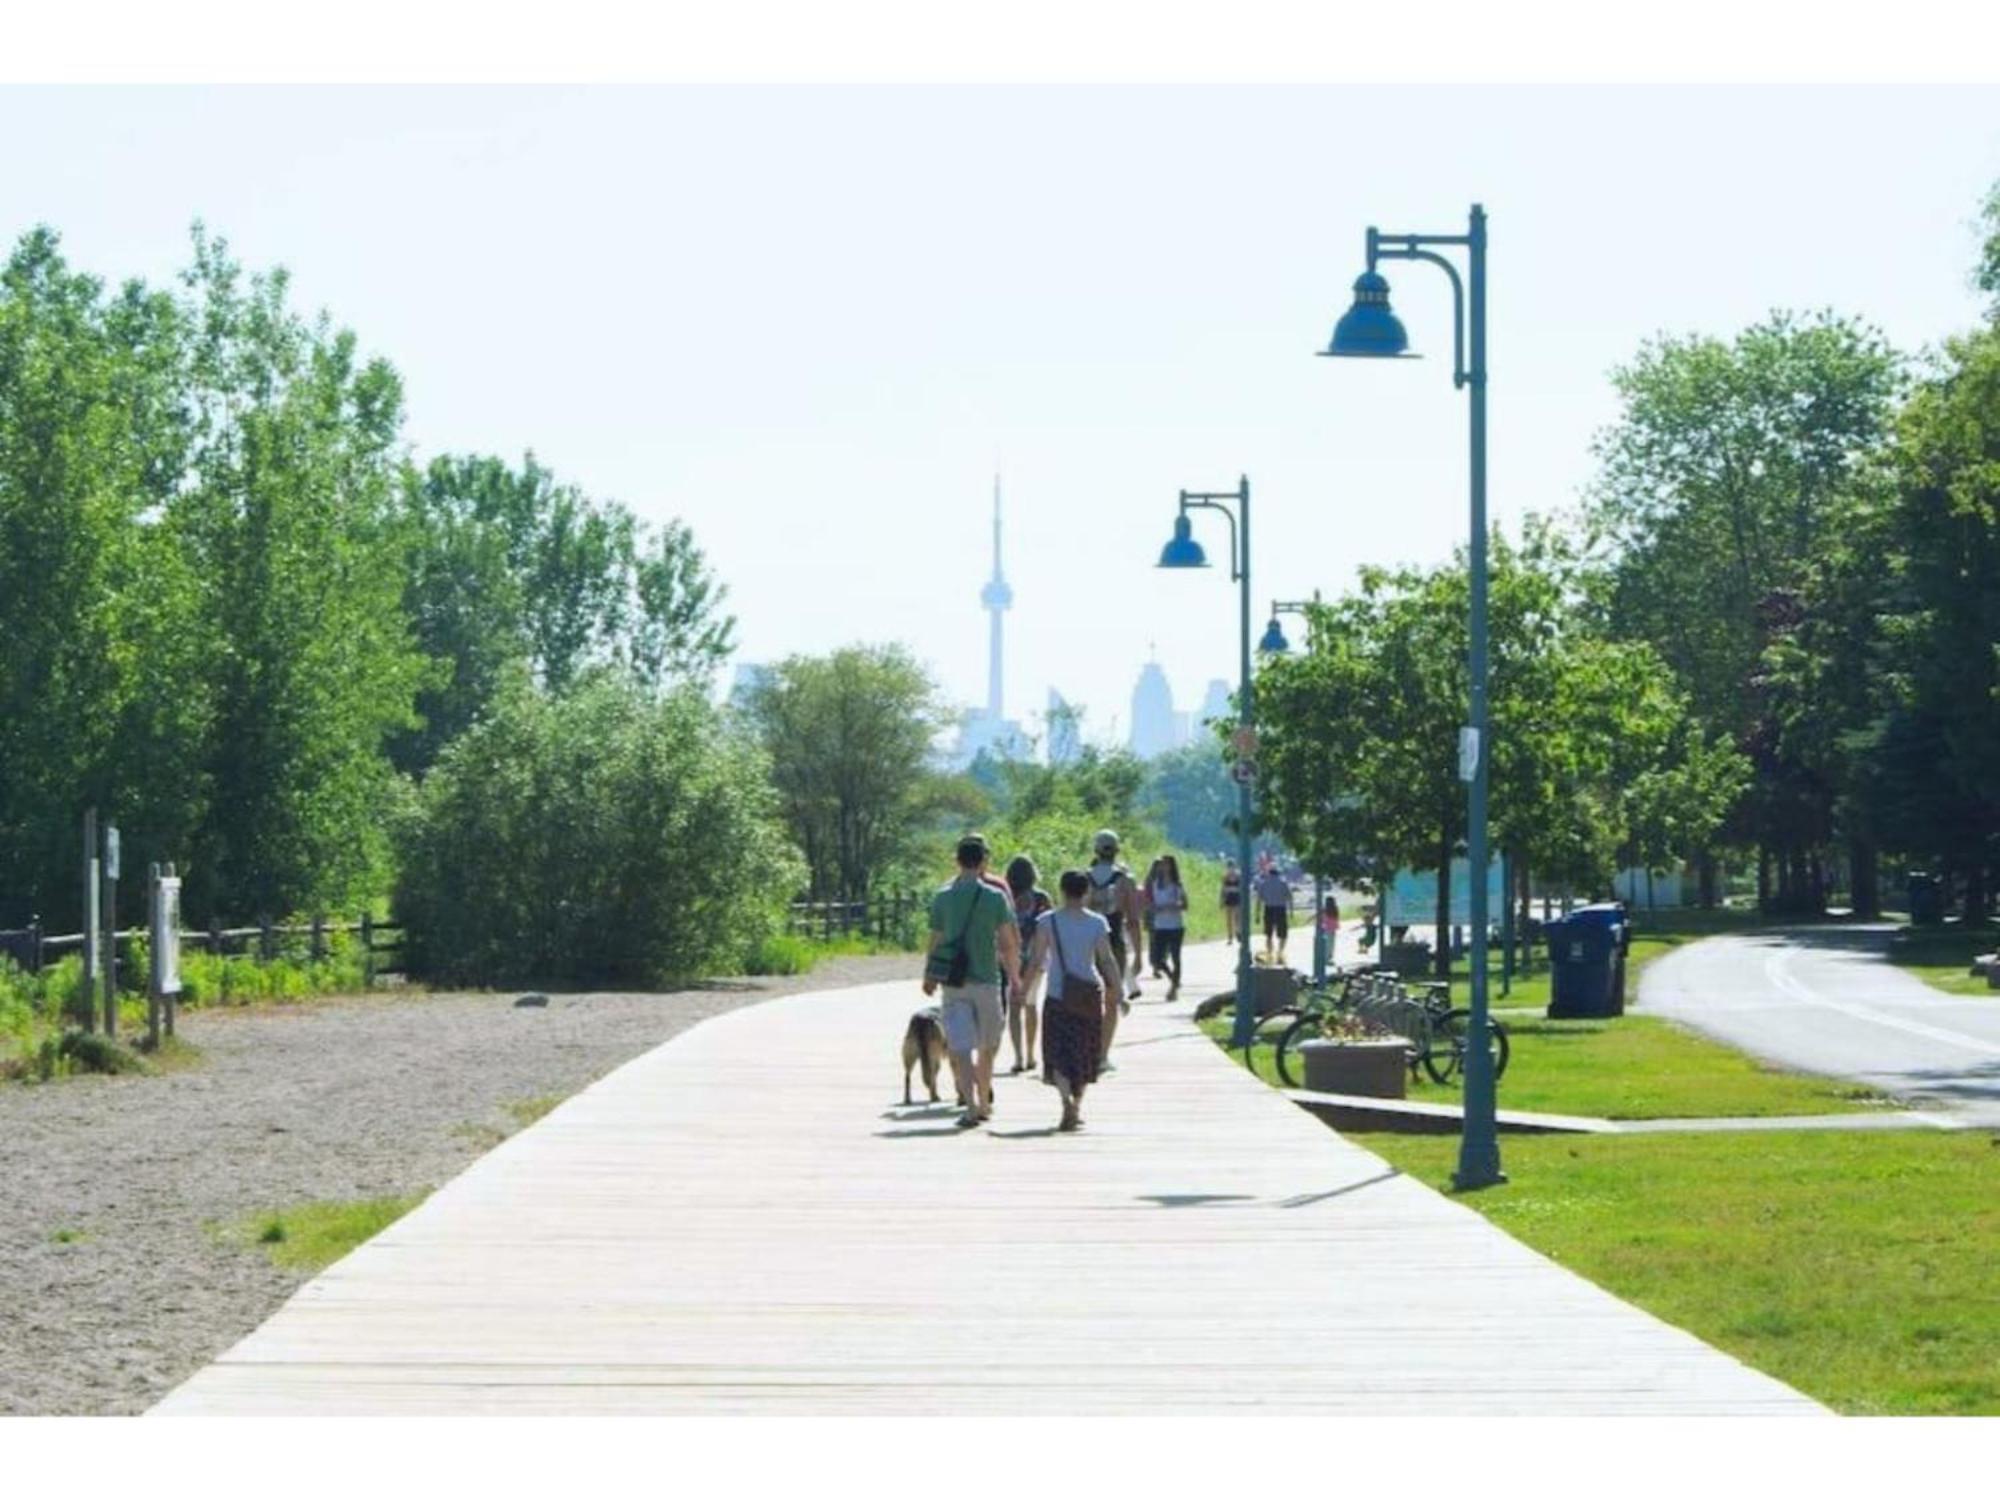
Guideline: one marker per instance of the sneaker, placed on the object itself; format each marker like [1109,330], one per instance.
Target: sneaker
[967,1120]
[1107,1066]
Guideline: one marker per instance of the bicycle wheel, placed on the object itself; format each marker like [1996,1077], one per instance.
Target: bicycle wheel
[1269,1029]
[1292,1062]
[1458,1028]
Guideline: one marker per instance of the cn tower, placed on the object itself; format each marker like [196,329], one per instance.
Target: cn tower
[998,598]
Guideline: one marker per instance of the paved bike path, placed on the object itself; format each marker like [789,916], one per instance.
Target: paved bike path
[746,1220]
[1827,1000]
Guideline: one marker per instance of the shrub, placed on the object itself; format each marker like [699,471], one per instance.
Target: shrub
[603,835]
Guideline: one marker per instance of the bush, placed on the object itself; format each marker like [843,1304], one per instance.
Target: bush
[602,836]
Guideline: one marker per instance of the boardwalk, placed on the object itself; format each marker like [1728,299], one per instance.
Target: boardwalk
[744,1221]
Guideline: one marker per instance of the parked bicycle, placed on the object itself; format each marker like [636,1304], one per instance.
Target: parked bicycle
[1437,1036]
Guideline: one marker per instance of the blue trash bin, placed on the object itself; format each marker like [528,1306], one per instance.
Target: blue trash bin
[1586,963]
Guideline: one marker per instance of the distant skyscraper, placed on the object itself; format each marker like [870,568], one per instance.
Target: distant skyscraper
[1214,704]
[1065,730]
[1153,729]
[750,676]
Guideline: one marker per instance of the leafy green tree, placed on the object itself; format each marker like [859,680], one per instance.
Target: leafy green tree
[288,513]
[508,565]
[1720,484]
[102,692]
[849,736]
[606,835]
[1188,792]
[1941,746]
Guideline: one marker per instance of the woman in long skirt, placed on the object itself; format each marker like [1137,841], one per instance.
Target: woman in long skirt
[1073,947]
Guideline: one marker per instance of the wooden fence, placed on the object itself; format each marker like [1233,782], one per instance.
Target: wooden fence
[31,948]
[894,918]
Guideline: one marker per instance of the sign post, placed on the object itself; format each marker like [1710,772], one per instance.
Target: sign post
[110,930]
[88,1005]
[163,912]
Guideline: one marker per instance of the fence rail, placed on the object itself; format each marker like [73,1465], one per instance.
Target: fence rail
[889,918]
[31,948]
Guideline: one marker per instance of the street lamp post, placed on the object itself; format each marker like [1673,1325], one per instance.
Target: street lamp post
[1183,551]
[1371,330]
[1274,643]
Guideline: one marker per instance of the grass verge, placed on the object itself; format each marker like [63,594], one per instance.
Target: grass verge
[1631,1068]
[312,1236]
[1856,1267]
[1942,956]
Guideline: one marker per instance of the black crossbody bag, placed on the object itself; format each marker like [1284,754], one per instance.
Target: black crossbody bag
[960,963]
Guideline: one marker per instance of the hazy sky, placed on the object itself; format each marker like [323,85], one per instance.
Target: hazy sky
[809,321]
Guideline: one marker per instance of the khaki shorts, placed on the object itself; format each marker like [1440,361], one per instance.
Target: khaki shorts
[972,1017]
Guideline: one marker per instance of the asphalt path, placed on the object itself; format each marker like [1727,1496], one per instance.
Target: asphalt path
[1827,1000]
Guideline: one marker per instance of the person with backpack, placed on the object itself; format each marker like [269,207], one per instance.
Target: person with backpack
[1030,902]
[1166,899]
[973,941]
[1073,947]
[1114,896]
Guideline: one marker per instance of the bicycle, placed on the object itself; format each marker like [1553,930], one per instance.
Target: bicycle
[1435,1034]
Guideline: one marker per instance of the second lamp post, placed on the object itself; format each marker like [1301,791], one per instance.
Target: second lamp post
[1185,552]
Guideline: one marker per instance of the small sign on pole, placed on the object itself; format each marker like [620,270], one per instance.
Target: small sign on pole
[111,851]
[1468,753]
[1244,772]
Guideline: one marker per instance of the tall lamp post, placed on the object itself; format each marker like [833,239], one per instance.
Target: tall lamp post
[1273,643]
[1183,551]
[1371,330]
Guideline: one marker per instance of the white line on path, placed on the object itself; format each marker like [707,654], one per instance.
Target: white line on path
[1777,970]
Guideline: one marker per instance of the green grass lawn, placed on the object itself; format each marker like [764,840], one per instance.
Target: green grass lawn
[1942,956]
[1854,1266]
[1628,1068]
[312,1236]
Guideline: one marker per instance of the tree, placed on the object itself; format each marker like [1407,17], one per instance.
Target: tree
[849,740]
[288,512]
[1720,484]
[1359,735]
[508,565]
[606,835]
[1941,744]
[1189,793]
[103,695]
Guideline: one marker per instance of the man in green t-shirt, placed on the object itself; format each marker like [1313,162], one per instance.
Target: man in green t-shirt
[972,932]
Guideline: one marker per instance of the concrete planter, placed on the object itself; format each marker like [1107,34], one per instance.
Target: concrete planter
[1379,1070]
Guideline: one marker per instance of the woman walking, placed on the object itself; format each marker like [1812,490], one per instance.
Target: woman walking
[1030,903]
[1166,898]
[1073,947]
[1232,899]
[1146,916]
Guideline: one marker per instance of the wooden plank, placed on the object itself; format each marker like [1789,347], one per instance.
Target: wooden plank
[746,1220]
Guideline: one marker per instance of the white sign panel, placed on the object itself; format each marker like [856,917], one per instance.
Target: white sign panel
[166,935]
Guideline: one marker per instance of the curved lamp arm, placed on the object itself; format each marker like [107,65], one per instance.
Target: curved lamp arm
[1211,502]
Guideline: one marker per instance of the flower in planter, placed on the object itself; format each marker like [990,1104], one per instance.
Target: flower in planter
[1345,1026]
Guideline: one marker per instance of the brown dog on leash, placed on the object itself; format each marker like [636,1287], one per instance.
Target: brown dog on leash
[923,1042]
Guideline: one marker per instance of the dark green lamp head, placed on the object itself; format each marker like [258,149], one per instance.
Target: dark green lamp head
[1183,551]
[1369,330]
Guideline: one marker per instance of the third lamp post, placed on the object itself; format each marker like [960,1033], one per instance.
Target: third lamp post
[1183,551]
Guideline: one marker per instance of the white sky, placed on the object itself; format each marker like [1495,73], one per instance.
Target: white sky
[808,320]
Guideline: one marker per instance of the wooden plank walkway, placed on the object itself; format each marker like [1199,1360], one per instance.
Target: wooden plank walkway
[745,1221]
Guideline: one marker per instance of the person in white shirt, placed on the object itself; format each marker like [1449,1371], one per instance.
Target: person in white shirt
[1167,899]
[1073,947]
